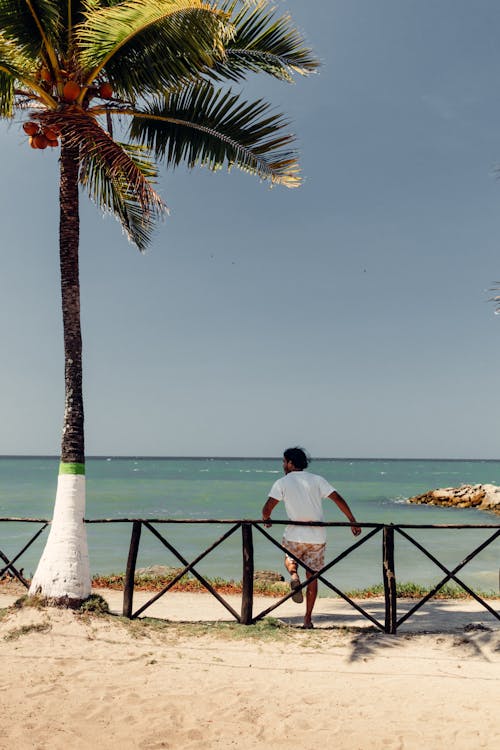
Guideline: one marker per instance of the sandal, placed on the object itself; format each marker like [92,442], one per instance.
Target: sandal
[298,596]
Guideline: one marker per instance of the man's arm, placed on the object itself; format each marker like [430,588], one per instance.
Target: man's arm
[268,508]
[342,505]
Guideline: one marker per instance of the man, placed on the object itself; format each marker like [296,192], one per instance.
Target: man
[302,493]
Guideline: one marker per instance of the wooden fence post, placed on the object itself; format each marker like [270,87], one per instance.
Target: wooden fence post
[128,588]
[247,578]
[389,576]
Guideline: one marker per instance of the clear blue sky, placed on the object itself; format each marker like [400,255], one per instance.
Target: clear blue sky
[349,316]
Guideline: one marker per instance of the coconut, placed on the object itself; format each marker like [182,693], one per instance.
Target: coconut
[30,128]
[40,141]
[105,90]
[50,133]
[71,91]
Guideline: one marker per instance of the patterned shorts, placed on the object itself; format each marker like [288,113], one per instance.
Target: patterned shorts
[312,555]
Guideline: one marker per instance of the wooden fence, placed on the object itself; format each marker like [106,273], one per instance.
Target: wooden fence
[388,532]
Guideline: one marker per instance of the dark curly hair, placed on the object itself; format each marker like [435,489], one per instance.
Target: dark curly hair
[298,457]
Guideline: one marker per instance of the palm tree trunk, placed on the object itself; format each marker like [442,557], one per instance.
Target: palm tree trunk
[72,447]
[63,573]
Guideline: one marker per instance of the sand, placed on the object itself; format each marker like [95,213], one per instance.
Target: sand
[73,681]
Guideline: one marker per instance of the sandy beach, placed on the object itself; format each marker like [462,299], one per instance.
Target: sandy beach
[196,680]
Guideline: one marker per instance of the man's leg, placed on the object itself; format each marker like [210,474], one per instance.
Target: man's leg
[311,595]
[291,566]
[315,559]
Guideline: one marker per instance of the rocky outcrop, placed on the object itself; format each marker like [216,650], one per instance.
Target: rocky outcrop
[480,496]
[268,576]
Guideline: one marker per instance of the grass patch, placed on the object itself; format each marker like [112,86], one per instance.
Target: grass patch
[269,629]
[16,633]
[411,590]
[95,604]
[276,589]
[35,601]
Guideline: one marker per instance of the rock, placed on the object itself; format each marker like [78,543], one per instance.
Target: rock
[480,496]
[267,575]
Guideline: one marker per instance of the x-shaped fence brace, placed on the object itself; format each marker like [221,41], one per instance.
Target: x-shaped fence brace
[189,567]
[450,574]
[10,563]
[392,623]
[247,617]
[318,575]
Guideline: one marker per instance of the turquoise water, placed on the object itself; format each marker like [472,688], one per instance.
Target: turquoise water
[377,491]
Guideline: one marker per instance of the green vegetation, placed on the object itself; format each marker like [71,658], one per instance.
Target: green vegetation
[269,629]
[35,601]
[262,587]
[406,590]
[41,627]
[411,590]
[95,604]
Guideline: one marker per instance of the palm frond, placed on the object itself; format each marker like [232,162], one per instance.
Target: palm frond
[15,62]
[6,94]
[263,42]
[145,45]
[112,196]
[203,126]
[14,55]
[34,25]
[117,177]
[119,182]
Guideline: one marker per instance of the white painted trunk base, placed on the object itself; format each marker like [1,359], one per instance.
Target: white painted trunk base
[63,570]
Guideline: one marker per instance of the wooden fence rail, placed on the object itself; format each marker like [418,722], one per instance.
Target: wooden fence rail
[246,616]
[9,566]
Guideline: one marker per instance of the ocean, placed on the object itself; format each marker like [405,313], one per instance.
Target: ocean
[232,488]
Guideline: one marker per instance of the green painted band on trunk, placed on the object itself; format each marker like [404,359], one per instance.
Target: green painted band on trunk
[71,468]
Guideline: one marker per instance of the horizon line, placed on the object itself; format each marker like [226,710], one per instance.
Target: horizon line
[110,456]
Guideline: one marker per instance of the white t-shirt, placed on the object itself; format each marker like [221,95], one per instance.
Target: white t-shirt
[302,494]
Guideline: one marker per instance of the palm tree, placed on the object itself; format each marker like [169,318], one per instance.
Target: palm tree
[155,72]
